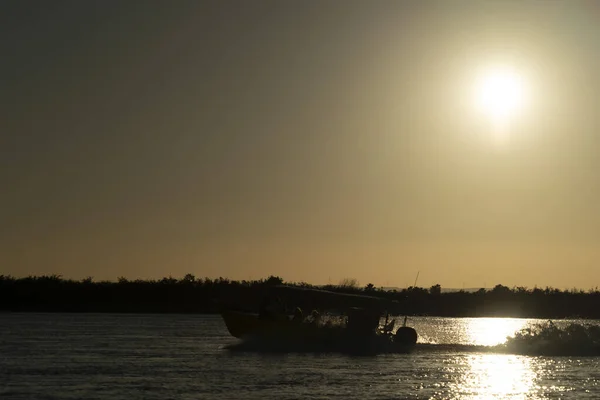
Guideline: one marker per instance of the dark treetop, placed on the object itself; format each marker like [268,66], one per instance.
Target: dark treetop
[192,295]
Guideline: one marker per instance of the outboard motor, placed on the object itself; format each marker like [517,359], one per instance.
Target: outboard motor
[406,335]
[362,322]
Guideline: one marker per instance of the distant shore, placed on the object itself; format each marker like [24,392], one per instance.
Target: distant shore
[207,296]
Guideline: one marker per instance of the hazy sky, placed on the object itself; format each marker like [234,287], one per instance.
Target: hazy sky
[315,140]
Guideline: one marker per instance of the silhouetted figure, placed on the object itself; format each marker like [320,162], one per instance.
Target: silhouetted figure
[265,310]
[298,316]
[389,325]
[280,307]
[271,310]
[362,322]
[316,317]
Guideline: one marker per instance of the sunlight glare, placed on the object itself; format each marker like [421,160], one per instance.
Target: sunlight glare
[499,376]
[493,331]
[500,94]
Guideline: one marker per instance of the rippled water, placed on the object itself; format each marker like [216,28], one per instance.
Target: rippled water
[99,356]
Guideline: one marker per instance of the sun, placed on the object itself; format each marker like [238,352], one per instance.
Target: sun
[500,94]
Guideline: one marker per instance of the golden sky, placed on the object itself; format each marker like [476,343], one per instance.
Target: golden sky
[312,140]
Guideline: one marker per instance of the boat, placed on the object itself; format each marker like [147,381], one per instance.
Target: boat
[359,330]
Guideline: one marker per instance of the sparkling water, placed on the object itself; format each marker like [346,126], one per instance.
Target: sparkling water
[133,356]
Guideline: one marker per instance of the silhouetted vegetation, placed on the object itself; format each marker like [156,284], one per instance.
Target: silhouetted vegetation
[192,295]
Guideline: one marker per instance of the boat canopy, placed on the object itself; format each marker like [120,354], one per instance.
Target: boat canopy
[320,299]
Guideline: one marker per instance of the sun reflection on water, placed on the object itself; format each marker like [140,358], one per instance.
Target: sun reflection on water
[493,331]
[498,376]
[473,363]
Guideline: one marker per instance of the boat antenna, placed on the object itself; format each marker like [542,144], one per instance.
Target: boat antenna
[414,286]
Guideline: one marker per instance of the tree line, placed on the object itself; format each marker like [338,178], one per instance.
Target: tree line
[189,294]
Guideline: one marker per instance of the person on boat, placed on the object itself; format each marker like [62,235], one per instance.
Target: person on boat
[271,310]
[265,309]
[388,327]
[315,317]
[298,316]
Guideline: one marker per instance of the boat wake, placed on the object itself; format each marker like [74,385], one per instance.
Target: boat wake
[548,339]
[544,339]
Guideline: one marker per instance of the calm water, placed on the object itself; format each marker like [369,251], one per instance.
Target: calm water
[98,356]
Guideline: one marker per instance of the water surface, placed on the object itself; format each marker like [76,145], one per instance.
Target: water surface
[102,356]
